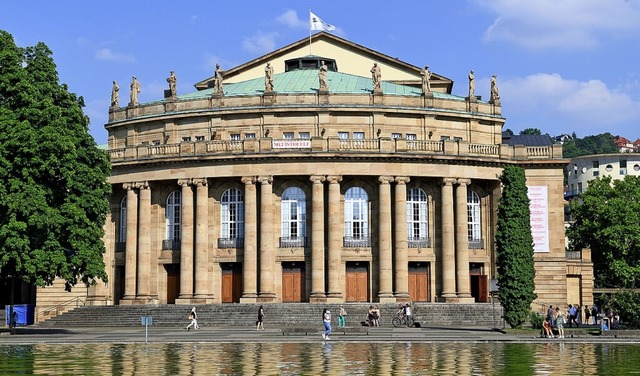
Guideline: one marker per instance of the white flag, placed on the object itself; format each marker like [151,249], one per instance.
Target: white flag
[318,24]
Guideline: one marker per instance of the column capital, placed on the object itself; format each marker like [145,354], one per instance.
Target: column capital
[317,179]
[385,179]
[462,181]
[142,185]
[334,179]
[265,180]
[199,182]
[184,182]
[401,180]
[248,180]
[449,181]
[129,186]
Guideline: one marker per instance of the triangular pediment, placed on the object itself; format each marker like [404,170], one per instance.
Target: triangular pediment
[351,58]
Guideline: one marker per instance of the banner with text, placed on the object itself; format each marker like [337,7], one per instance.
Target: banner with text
[539,217]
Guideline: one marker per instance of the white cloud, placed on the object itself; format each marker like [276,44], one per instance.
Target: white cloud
[575,24]
[290,18]
[108,55]
[554,105]
[260,42]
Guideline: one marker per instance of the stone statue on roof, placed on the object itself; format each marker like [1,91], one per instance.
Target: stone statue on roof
[322,76]
[172,84]
[115,95]
[495,95]
[217,81]
[268,77]
[472,84]
[426,80]
[135,91]
[376,77]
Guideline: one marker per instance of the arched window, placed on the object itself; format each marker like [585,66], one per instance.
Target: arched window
[473,220]
[122,230]
[293,218]
[417,219]
[232,219]
[173,218]
[356,218]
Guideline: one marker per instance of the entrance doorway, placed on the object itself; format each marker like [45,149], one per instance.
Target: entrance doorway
[419,282]
[293,282]
[479,283]
[357,282]
[231,282]
[118,284]
[173,282]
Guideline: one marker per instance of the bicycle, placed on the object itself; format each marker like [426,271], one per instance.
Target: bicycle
[402,320]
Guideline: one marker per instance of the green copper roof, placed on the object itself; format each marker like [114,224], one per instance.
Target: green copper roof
[306,81]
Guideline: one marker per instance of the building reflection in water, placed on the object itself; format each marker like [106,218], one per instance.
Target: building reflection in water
[322,357]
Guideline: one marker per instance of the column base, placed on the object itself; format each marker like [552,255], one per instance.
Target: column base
[466,299]
[403,297]
[203,299]
[266,297]
[317,297]
[127,300]
[249,299]
[334,297]
[183,301]
[386,297]
[146,299]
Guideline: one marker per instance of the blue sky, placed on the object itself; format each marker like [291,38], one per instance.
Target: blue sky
[563,66]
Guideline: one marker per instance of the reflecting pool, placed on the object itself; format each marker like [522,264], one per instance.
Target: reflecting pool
[329,358]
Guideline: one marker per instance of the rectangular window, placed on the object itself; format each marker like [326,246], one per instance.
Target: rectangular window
[287,135]
[199,138]
[358,135]
[623,167]
[186,139]
[444,138]
[235,136]
[156,142]
[596,172]
[343,135]
[305,135]
[249,136]
[411,136]
[596,164]
[396,135]
[579,187]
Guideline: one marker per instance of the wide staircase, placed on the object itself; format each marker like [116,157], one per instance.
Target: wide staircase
[276,315]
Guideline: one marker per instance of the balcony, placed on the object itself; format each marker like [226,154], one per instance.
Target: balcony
[356,242]
[171,244]
[230,243]
[419,242]
[121,246]
[573,255]
[293,242]
[476,244]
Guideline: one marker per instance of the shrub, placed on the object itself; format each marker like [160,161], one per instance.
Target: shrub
[627,305]
[536,320]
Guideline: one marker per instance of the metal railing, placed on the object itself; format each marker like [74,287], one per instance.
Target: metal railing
[419,242]
[573,255]
[356,241]
[56,308]
[171,244]
[230,242]
[293,242]
[476,244]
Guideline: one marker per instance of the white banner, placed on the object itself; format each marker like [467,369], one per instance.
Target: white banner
[291,144]
[539,217]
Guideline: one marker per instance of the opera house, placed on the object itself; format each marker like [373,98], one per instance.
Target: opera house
[342,176]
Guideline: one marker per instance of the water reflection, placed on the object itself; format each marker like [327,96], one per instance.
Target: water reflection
[330,358]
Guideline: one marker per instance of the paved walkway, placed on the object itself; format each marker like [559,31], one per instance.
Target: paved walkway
[34,334]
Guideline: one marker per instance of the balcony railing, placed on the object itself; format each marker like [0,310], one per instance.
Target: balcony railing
[121,246]
[293,242]
[171,244]
[573,255]
[356,241]
[420,242]
[230,242]
[476,244]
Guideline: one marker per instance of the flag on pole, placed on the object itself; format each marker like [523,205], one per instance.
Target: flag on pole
[318,24]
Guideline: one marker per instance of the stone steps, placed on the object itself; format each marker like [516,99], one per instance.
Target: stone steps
[276,314]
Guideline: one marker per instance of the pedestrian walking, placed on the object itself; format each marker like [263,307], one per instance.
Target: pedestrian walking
[587,314]
[260,323]
[326,319]
[193,316]
[342,318]
[594,314]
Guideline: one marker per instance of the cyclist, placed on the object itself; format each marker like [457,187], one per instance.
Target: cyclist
[407,314]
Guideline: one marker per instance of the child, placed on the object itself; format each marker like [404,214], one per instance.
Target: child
[548,332]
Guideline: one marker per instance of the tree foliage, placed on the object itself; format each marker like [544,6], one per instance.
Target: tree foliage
[514,248]
[599,144]
[627,305]
[607,220]
[54,191]
[531,131]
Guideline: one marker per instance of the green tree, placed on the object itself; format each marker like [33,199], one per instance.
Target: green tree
[531,131]
[607,220]
[598,144]
[54,191]
[514,248]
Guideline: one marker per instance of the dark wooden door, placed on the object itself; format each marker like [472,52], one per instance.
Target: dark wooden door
[357,282]
[231,283]
[293,282]
[419,281]
[480,287]
[173,282]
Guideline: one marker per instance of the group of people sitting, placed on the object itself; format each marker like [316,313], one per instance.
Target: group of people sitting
[373,316]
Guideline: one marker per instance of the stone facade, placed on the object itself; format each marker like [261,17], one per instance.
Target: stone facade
[307,196]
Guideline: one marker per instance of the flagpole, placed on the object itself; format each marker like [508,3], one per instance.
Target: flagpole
[309,31]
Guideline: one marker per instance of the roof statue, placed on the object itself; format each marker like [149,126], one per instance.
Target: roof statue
[172,84]
[115,95]
[426,80]
[135,91]
[472,84]
[322,76]
[495,95]
[376,77]
[217,81]
[268,77]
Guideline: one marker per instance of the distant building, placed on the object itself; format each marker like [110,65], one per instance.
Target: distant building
[583,169]
[626,146]
[561,139]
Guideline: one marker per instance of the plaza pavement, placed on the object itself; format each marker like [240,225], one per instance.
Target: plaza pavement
[36,335]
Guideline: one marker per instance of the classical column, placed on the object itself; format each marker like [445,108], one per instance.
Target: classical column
[385,261]
[335,273]
[448,238]
[462,241]
[186,242]
[267,257]
[401,248]
[250,253]
[317,239]
[203,279]
[144,242]
[132,242]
